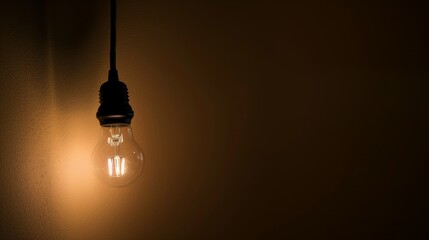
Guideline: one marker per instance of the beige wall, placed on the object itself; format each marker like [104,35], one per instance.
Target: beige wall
[258,119]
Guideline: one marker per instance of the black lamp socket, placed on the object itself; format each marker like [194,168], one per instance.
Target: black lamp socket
[114,102]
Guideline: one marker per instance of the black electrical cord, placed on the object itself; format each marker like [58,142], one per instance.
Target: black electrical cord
[113,73]
[113,35]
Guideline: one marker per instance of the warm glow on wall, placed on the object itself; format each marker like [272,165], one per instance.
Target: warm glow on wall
[74,187]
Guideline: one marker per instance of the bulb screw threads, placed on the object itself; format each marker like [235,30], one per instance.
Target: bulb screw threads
[114,102]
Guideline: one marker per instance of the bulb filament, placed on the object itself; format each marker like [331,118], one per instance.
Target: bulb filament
[116,166]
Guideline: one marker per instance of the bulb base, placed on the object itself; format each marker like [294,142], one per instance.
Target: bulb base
[114,102]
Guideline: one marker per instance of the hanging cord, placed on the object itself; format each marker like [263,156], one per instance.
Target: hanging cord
[113,35]
[113,74]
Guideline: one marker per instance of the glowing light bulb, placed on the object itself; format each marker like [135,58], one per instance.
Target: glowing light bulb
[117,158]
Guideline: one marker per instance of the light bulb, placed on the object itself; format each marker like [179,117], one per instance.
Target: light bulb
[117,159]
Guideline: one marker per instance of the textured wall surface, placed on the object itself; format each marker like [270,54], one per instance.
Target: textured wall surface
[258,119]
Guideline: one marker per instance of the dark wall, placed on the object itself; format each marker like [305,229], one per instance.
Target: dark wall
[258,119]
